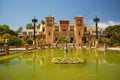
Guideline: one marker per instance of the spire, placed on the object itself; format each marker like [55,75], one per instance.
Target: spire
[79,15]
[49,15]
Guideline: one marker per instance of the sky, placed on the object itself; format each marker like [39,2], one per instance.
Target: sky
[16,13]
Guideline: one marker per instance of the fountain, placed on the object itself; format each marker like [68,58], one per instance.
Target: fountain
[65,48]
[67,60]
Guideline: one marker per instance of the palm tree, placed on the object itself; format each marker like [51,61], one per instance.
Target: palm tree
[29,26]
[20,29]
[38,26]
[42,21]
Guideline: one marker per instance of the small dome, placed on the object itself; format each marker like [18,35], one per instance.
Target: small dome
[78,15]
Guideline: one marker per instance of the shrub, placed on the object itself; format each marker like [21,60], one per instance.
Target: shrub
[14,41]
[1,41]
[29,41]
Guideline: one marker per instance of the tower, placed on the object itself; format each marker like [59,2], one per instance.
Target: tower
[64,24]
[79,28]
[49,29]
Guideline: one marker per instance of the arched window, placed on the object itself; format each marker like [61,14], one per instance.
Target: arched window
[64,28]
[85,29]
[56,28]
[49,33]
[79,22]
[71,28]
[79,33]
[43,29]
[49,22]
[56,38]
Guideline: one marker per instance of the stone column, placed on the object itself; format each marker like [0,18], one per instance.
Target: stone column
[26,46]
[105,46]
[6,49]
[96,44]
[73,44]
[49,45]
[89,45]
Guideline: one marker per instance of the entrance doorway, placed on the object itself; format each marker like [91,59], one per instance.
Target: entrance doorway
[71,39]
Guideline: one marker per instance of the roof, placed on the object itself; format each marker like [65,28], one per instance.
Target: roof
[50,16]
[64,20]
[78,16]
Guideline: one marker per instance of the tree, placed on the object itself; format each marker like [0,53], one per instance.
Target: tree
[62,38]
[5,29]
[29,26]
[1,41]
[29,40]
[113,33]
[6,35]
[14,41]
[42,42]
[13,33]
[84,39]
[42,21]
[104,40]
[38,26]
[24,39]
[19,29]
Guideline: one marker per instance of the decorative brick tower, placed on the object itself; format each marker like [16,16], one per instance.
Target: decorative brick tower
[49,29]
[79,29]
[64,24]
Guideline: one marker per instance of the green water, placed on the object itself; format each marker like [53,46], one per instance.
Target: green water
[37,65]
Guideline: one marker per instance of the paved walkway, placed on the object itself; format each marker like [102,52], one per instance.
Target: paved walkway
[84,47]
[113,48]
[101,48]
[17,49]
[110,49]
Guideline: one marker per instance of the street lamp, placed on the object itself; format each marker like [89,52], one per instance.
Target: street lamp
[96,20]
[34,21]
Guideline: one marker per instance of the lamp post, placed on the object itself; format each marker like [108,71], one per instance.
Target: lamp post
[34,22]
[96,20]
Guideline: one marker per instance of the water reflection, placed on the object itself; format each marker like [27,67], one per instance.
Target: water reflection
[43,57]
[36,64]
[6,64]
[97,57]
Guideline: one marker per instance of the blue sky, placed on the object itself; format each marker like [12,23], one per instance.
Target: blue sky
[17,13]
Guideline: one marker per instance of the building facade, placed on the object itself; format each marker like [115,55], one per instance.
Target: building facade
[74,30]
[51,30]
[92,32]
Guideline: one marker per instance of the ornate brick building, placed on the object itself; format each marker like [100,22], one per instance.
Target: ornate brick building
[50,31]
[74,30]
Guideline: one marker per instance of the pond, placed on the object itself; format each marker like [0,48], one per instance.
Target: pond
[37,65]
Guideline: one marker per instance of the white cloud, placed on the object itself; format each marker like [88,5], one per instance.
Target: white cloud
[108,23]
